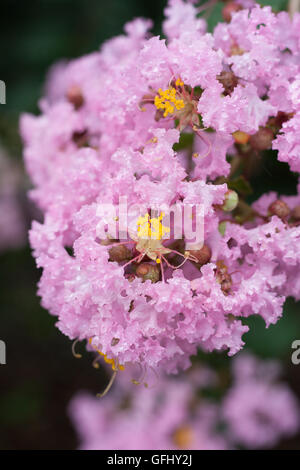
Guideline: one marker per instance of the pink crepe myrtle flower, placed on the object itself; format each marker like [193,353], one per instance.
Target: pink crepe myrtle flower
[284,240]
[155,323]
[115,133]
[258,410]
[159,417]
[287,143]
[255,411]
[181,17]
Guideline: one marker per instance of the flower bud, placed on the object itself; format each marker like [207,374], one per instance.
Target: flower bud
[203,255]
[262,140]
[148,271]
[74,96]
[279,208]
[228,80]
[229,9]
[231,201]
[119,253]
[296,213]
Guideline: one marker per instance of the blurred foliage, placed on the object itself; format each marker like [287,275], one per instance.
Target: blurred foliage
[45,31]
[37,33]
[215,13]
[41,374]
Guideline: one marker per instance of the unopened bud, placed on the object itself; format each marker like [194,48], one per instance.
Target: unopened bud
[231,201]
[148,271]
[119,253]
[296,213]
[203,255]
[262,140]
[279,208]
[74,96]
[229,9]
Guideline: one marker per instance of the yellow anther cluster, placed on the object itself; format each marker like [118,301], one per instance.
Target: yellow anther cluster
[179,82]
[151,228]
[112,362]
[167,100]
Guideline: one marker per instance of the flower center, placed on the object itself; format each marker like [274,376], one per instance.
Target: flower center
[151,228]
[170,99]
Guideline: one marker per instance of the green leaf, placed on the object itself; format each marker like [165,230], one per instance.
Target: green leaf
[185,141]
[277,5]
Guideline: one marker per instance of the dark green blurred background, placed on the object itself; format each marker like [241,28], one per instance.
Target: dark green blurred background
[41,375]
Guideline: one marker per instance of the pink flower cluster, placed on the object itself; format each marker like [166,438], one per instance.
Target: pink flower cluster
[258,409]
[256,412]
[112,125]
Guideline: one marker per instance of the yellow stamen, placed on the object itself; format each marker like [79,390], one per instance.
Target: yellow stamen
[151,228]
[168,100]
[179,82]
[109,361]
